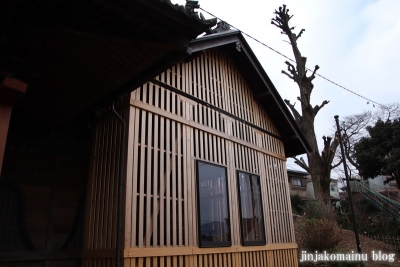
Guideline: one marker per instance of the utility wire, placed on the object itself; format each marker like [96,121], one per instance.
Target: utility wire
[258,41]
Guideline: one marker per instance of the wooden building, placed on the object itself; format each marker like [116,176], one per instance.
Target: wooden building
[133,146]
[71,58]
[205,174]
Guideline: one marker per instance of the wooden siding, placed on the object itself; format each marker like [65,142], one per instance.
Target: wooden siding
[101,205]
[167,132]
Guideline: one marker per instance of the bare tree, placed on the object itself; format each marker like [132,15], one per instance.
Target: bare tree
[319,164]
[387,112]
[354,127]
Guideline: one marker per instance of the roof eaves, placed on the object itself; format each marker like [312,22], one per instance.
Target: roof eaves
[296,172]
[213,40]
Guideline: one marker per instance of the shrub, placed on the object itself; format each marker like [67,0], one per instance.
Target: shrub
[312,210]
[297,203]
[319,234]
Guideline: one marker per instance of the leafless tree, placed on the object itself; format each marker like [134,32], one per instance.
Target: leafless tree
[319,165]
[354,127]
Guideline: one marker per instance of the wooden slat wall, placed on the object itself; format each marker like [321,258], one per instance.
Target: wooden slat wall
[167,133]
[213,78]
[101,203]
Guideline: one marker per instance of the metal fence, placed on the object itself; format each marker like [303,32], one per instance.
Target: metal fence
[391,240]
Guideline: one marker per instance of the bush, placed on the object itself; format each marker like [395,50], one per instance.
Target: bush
[319,235]
[312,210]
[297,203]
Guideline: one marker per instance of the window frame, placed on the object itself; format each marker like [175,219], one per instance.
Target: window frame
[297,179]
[205,244]
[251,243]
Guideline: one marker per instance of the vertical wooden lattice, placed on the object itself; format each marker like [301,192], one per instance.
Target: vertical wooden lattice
[101,211]
[167,133]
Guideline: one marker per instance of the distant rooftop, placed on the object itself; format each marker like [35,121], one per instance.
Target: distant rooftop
[297,172]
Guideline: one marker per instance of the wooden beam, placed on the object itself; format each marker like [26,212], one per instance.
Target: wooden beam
[10,91]
[179,251]
[202,127]
[289,138]
[14,256]
[262,95]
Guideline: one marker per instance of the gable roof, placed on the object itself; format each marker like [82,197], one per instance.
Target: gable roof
[76,54]
[263,89]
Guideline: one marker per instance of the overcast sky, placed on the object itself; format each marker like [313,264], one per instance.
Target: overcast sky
[356,44]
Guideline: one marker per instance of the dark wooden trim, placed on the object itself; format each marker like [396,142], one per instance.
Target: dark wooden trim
[250,243]
[99,254]
[56,255]
[11,90]
[38,256]
[78,221]
[52,211]
[210,244]
[21,212]
[210,41]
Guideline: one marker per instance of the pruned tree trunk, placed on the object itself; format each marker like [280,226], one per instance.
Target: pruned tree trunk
[319,164]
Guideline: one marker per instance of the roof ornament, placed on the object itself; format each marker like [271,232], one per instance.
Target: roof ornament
[221,26]
[238,46]
[191,5]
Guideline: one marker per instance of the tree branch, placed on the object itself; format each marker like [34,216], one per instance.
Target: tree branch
[312,77]
[335,142]
[302,164]
[332,148]
[291,68]
[300,33]
[306,104]
[292,71]
[319,156]
[295,113]
[287,74]
[281,21]
[352,162]
[326,152]
[337,164]
[317,108]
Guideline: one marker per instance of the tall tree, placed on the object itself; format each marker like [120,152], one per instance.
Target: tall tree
[379,153]
[319,164]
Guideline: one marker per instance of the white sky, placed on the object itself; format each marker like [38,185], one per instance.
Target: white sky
[356,44]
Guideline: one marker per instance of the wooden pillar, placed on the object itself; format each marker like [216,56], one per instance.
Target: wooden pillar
[10,91]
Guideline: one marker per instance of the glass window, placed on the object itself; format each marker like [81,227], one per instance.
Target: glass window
[251,213]
[214,228]
[297,182]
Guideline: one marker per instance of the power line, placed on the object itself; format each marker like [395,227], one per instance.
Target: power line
[258,41]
